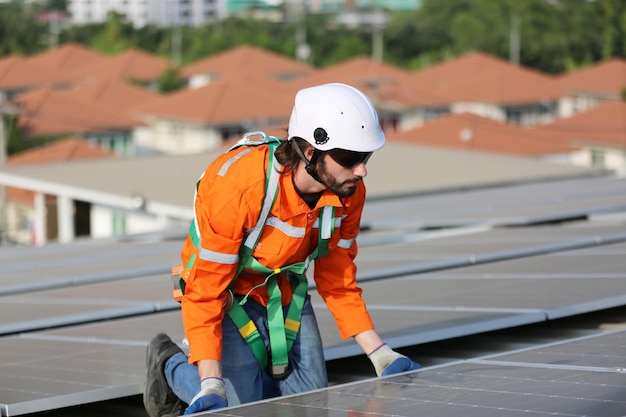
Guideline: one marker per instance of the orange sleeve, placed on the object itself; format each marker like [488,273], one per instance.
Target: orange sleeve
[335,273]
[222,213]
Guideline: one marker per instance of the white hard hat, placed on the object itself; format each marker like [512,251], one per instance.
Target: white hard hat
[336,116]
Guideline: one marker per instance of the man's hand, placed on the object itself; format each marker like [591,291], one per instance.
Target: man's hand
[212,396]
[388,362]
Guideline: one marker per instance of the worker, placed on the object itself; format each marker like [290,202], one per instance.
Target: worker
[262,214]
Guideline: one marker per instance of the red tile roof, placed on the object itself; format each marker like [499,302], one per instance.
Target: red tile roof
[607,77]
[386,84]
[227,101]
[604,124]
[477,77]
[62,150]
[18,73]
[470,132]
[133,64]
[112,92]
[52,112]
[67,58]
[247,58]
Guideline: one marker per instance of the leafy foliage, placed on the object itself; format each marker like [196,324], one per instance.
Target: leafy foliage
[555,35]
[170,81]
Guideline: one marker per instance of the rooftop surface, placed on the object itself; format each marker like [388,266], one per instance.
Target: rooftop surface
[76,318]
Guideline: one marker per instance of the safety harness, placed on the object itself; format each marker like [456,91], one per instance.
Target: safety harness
[282,330]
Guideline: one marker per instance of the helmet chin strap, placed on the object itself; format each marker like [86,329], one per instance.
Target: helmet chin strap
[309,165]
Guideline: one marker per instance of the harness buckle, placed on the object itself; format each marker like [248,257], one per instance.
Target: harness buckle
[228,302]
[279,371]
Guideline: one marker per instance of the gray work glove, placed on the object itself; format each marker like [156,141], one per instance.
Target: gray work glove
[386,361]
[212,396]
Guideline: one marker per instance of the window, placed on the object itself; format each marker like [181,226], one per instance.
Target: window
[597,158]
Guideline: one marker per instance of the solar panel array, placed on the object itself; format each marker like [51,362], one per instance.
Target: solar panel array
[583,377]
[75,319]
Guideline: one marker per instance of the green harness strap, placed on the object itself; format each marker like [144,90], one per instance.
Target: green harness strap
[283,330]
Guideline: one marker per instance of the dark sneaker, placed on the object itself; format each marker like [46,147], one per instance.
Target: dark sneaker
[158,399]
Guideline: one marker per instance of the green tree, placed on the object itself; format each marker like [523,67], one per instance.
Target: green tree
[116,35]
[20,31]
[170,81]
[57,5]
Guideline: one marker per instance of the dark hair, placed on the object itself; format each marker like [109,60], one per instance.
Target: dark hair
[287,156]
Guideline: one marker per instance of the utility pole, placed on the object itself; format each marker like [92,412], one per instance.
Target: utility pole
[303,50]
[176,36]
[377,21]
[515,40]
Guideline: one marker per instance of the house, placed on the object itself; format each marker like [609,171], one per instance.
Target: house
[100,110]
[31,217]
[467,131]
[67,58]
[585,88]
[401,103]
[599,133]
[133,64]
[198,120]
[50,68]
[491,87]
[244,58]
[18,74]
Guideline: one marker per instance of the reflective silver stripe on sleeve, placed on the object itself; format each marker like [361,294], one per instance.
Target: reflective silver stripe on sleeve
[316,223]
[218,257]
[327,226]
[195,216]
[231,161]
[286,228]
[272,188]
[345,243]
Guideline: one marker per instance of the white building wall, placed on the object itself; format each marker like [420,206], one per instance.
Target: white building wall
[142,12]
[101,220]
[199,80]
[569,106]
[136,224]
[490,111]
[175,138]
[613,159]
[411,119]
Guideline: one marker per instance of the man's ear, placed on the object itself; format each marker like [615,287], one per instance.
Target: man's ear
[308,152]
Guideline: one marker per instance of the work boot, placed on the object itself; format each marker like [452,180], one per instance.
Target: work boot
[158,398]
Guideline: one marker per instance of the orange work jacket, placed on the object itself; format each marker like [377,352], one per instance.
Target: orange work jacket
[227,203]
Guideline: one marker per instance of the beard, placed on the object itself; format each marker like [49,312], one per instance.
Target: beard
[343,189]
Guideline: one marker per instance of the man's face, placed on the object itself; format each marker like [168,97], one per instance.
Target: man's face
[339,179]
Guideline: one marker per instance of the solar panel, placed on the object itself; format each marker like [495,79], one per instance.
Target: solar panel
[81,300]
[85,303]
[40,268]
[605,352]
[514,205]
[494,294]
[420,252]
[454,282]
[479,388]
[412,309]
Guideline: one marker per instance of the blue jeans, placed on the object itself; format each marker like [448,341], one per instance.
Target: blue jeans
[244,380]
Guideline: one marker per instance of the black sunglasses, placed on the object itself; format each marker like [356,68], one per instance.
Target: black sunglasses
[348,159]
